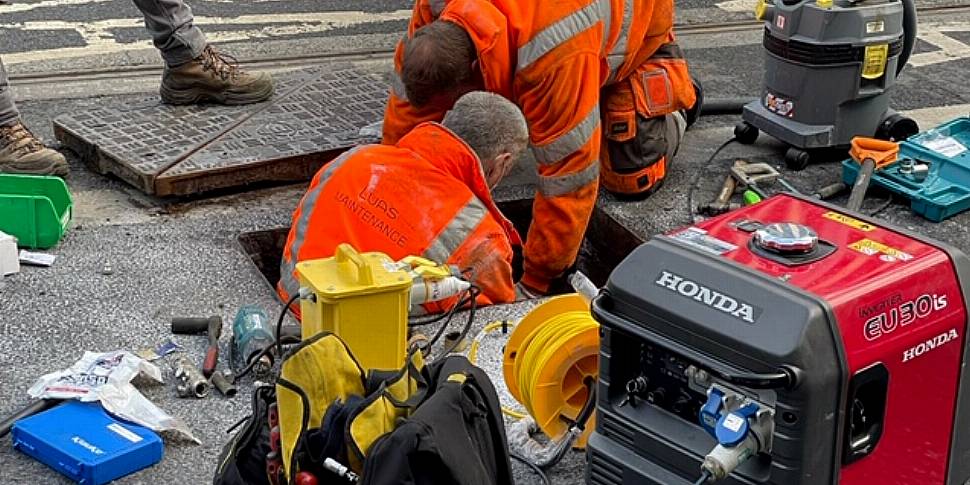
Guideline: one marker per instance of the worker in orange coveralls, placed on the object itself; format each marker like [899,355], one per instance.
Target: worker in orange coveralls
[581,71]
[428,195]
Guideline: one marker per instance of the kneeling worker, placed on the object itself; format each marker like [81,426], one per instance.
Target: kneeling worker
[428,195]
[603,84]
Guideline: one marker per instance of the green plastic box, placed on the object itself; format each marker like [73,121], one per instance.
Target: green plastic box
[35,209]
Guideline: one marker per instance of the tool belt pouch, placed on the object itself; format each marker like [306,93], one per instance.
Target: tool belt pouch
[243,459]
[634,155]
[330,407]
[663,84]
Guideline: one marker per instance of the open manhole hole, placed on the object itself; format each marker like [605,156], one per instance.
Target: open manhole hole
[606,243]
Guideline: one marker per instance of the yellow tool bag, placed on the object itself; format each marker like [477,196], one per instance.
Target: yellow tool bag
[330,407]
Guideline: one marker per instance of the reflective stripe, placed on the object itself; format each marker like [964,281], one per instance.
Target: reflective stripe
[563,30]
[570,141]
[287,267]
[607,22]
[457,231]
[397,87]
[615,61]
[437,6]
[564,184]
[618,52]
[676,126]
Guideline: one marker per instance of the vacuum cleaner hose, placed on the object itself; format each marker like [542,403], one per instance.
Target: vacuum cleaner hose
[724,106]
[909,33]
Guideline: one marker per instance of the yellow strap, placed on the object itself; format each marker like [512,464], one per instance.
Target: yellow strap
[459,378]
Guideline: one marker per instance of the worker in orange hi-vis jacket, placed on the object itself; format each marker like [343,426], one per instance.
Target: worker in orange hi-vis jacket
[581,71]
[428,195]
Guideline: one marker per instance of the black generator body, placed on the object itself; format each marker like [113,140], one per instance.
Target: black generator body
[654,438]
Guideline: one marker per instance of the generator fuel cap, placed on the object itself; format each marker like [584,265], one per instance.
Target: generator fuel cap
[786,238]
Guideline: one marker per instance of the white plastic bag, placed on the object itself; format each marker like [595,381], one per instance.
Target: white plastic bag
[107,378]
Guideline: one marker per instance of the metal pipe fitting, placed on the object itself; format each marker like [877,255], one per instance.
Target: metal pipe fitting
[223,384]
[191,382]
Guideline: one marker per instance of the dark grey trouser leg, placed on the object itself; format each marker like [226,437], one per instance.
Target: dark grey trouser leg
[8,110]
[170,24]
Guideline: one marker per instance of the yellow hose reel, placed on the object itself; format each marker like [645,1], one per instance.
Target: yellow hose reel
[550,358]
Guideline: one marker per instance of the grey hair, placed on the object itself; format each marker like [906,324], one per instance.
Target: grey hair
[489,123]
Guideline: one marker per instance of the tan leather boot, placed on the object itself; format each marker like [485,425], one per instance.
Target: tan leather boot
[21,152]
[214,77]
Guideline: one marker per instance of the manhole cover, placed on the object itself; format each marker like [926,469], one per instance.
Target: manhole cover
[181,150]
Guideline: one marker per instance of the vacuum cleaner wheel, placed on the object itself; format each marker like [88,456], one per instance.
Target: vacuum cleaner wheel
[745,133]
[797,159]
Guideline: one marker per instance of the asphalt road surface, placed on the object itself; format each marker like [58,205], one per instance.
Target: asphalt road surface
[41,31]
[181,257]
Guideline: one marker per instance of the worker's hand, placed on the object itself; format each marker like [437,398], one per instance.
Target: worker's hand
[523,292]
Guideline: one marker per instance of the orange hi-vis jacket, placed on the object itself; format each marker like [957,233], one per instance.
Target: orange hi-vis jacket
[425,196]
[551,59]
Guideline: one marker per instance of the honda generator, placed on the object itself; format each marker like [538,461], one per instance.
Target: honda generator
[786,343]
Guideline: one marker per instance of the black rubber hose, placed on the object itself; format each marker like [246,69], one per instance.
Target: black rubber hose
[909,33]
[532,466]
[31,409]
[724,106]
[705,477]
[589,406]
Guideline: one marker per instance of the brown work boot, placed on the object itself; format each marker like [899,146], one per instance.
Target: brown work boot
[214,77]
[21,152]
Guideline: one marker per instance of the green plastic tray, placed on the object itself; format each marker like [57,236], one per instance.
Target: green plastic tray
[34,209]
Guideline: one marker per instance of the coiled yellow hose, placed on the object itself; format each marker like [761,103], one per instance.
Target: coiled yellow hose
[551,359]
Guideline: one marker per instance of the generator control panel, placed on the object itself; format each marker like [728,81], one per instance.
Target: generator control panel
[740,420]
[680,385]
[664,382]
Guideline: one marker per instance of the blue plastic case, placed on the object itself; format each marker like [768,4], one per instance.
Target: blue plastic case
[946,190]
[85,443]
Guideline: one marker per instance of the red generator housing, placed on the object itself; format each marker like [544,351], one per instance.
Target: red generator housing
[849,335]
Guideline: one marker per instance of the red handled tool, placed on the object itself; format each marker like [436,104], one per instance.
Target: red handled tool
[274,459]
[212,326]
[306,478]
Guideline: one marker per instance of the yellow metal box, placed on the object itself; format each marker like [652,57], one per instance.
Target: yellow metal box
[362,299]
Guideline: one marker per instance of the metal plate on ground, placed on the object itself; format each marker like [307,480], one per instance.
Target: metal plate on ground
[169,150]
